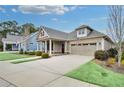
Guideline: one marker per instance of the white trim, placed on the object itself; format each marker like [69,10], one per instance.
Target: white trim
[97,45]
[50,47]
[4,46]
[103,48]
[45,46]
[37,46]
[45,32]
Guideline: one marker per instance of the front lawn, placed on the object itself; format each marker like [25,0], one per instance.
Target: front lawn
[96,74]
[12,56]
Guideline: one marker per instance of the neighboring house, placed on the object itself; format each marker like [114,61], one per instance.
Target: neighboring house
[30,43]
[83,41]
[13,40]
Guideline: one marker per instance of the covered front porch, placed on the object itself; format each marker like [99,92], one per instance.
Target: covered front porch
[11,46]
[53,47]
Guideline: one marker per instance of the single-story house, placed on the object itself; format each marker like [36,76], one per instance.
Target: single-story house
[83,41]
[13,40]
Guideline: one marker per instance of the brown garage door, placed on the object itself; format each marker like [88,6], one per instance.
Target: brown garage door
[84,49]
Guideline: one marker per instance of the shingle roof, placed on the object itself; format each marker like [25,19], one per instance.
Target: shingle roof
[56,34]
[13,38]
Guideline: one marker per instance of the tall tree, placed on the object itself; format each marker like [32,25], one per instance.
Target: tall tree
[116,28]
[9,26]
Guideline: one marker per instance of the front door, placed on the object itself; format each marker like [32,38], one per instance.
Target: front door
[63,48]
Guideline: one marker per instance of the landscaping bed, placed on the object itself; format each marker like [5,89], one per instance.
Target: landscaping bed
[109,60]
[97,74]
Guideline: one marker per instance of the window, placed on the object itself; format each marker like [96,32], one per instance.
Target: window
[85,44]
[31,43]
[82,31]
[73,44]
[79,44]
[92,43]
[99,43]
[79,32]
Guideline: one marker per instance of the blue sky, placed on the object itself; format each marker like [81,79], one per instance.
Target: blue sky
[64,18]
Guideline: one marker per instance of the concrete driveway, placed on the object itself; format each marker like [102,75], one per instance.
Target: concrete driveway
[44,72]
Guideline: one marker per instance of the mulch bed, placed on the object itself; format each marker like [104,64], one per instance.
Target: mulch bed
[113,67]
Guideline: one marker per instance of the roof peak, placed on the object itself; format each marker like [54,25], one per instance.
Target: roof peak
[84,26]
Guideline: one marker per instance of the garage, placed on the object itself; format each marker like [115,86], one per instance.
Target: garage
[87,49]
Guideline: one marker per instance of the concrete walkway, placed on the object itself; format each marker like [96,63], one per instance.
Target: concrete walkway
[42,73]
[26,59]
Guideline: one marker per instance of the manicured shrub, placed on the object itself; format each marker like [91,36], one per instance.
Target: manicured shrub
[111,61]
[31,53]
[112,52]
[25,52]
[101,55]
[45,55]
[21,51]
[38,53]
[122,62]
[1,47]
[122,56]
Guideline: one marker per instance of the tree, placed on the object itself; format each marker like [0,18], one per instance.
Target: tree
[31,26]
[116,28]
[9,26]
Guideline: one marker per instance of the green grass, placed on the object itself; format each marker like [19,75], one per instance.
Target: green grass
[95,74]
[25,60]
[12,56]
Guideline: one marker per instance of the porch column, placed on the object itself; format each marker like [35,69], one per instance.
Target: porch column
[102,43]
[65,47]
[37,46]
[19,47]
[97,46]
[41,46]
[24,46]
[50,47]
[4,46]
[45,46]
[69,47]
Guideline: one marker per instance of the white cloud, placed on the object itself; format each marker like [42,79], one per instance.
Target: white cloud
[43,9]
[14,10]
[98,19]
[2,9]
[59,21]
[54,19]
[47,9]
[74,7]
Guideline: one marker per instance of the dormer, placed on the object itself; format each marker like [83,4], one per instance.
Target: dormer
[83,31]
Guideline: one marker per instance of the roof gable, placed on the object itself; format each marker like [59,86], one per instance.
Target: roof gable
[56,34]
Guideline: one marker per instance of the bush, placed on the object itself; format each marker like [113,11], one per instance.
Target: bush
[101,55]
[31,53]
[122,56]
[25,52]
[122,62]
[38,53]
[45,55]
[21,51]
[1,47]
[112,52]
[111,61]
